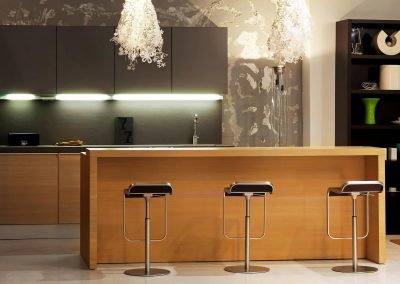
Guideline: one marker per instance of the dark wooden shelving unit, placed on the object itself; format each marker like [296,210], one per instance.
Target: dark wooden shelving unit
[374,57]
[392,198]
[350,129]
[377,92]
[351,71]
[376,127]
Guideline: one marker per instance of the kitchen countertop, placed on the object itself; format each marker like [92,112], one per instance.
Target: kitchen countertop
[224,151]
[4,149]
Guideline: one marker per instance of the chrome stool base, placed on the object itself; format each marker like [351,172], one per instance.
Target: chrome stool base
[147,191]
[350,269]
[354,189]
[242,269]
[142,272]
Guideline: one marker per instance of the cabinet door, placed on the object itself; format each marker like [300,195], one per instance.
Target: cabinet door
[146,78]
[69,188]
[85,60]
[27,59]
[28,189]
[199,60]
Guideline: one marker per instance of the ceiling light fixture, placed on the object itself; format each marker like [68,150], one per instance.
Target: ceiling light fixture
[138,33]
[167,97]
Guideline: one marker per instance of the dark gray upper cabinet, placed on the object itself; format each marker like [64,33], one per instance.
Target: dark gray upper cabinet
[199,60]
[85,60]
[76,59]
[146,78]
[27,59]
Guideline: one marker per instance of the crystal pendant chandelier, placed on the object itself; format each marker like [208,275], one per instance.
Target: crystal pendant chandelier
[139,35]
[287,44]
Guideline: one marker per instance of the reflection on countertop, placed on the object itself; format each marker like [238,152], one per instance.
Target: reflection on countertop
[78,149]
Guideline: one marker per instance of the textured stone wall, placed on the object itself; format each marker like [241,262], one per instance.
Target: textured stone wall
[248,108]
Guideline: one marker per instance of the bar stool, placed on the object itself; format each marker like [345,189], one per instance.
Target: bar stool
[147,191]
[248,190]
[354,189]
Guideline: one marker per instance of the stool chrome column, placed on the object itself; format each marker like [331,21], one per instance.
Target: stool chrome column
[147,191]
[248,190]
[354,189]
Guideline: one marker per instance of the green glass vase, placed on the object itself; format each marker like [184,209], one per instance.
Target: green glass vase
[370,106]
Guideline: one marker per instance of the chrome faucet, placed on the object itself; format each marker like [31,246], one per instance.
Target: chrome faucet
[195,122]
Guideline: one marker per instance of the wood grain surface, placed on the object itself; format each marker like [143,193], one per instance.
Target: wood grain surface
[69,188]
[296,211]
[28,189]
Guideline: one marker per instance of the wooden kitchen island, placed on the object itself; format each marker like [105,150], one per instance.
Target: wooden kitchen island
[296,211]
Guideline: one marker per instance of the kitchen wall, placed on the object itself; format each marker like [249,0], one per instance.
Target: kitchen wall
[93,122]
[247,108]
[319,71]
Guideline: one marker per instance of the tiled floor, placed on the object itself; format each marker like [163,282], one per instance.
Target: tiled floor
[58,261]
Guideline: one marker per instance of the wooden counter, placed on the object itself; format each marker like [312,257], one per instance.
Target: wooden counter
[296,211]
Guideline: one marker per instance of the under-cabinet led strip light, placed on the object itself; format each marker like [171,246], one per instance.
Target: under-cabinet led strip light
[19,97]
[118,97]
[82,97]
[167,97]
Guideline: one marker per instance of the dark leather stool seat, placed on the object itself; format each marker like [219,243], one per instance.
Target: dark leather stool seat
[360,187]
[247,189]
[147,191]
[255,188]
[353,189]
[155,189]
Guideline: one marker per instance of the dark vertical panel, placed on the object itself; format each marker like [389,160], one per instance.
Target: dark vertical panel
[85,60]
[342,88]
[199,60]
[146,78]
[27,59]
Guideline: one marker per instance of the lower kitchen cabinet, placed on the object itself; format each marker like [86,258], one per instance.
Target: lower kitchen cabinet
[39,189]
[28,188]
[69,188]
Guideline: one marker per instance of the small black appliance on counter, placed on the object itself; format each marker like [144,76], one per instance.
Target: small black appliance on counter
[123,131]
[23,139]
